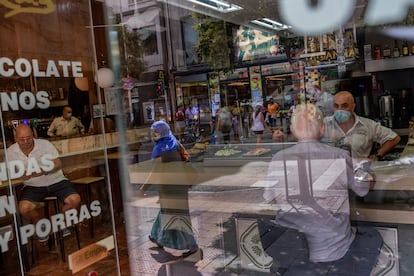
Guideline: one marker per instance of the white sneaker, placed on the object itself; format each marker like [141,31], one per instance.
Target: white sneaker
[65,232]
[43,239]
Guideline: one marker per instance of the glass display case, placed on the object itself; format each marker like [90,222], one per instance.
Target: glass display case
[240,154]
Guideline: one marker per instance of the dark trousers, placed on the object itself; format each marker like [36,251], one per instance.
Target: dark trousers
[358,261]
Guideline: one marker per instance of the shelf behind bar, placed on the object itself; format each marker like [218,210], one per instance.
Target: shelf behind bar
[389,64]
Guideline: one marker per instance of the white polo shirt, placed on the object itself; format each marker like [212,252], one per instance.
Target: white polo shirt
[41,148]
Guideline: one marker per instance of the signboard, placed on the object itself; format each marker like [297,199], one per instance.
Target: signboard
[256,85]
[251,44]
[90,254]
[275,69]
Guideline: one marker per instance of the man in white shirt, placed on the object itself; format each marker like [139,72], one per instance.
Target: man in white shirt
[66,125]
[43,175]
[345,128]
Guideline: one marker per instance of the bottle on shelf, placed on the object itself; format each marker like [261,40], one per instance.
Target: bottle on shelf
[405,50]
[396,51]
[412,49]
[377,52]
[386,53]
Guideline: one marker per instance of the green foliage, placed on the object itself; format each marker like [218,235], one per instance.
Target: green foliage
[215,41]
[131,53]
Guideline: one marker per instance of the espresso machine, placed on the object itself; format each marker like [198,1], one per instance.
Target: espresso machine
[386,109]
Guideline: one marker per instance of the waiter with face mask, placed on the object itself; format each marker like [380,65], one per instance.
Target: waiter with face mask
[357,134]
[66,125]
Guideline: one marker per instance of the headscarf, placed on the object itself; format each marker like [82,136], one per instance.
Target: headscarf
[167,143]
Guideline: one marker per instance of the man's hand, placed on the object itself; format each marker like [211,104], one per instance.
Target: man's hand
[278,135]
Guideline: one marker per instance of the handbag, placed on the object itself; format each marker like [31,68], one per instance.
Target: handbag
[185,156]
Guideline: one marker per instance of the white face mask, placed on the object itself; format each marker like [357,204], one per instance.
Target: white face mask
[342,116]
[155,136]
[68,116]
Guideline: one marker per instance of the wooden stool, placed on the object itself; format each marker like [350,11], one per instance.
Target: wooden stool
[86,182]
[55,201]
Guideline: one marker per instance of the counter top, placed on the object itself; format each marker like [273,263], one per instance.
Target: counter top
[188,173]
[409,148]
[252,174]
[91,143]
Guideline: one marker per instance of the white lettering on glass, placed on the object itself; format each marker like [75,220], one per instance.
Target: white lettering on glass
[71,217]
[27,100]
[95,208]
[9,100]
[42,98]
[4,241]
[385,11]
[24,68]
[7,204]
[6,65]
[65,65]
[36,70]
[84,213]
[77,69]
[44,226]
[32,167]
[315,20]
[52,70]
[47,163]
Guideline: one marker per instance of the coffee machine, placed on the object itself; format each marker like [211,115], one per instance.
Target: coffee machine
[386,109]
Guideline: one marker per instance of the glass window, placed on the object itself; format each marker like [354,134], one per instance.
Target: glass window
[148,40]
[200,136]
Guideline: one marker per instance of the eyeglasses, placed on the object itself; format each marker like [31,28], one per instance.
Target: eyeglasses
[25,139]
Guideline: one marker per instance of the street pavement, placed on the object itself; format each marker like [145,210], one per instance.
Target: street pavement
[214,207]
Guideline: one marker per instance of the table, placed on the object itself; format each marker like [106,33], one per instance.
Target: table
[115,175]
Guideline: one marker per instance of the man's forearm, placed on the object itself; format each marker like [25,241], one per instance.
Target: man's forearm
[388,146]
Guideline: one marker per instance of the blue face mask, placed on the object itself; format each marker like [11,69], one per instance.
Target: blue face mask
[341,116]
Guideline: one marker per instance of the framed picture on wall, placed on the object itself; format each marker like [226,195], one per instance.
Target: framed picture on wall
[149,112]
[98,110]
[111,98]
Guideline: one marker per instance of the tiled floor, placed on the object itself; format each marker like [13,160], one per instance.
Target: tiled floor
[48,262]
[213,221]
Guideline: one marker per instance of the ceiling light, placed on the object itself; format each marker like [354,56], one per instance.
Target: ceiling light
[218,5]
[271,24]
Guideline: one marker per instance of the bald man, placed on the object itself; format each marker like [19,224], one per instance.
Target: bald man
[345,128]
[45,179]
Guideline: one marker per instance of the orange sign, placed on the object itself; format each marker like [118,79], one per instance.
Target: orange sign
[28,6]
[87,256]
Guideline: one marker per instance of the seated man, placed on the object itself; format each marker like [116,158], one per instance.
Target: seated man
[311,196]
[43,176]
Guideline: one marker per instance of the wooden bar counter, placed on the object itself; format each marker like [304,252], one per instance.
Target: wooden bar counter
[253,174]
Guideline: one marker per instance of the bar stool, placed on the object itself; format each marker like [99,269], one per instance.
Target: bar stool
[53,199]
[86,182]
[6,225]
